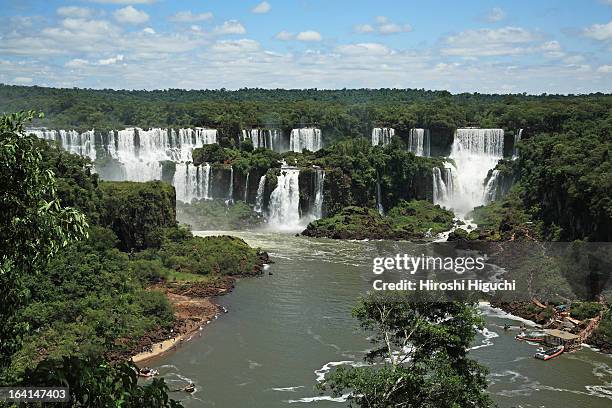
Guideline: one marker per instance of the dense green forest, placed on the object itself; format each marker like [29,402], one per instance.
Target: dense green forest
[86,301]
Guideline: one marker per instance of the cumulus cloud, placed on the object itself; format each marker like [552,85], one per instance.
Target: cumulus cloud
[76,63]
[236,46]
[189,17]
[111,60]
[605,69]
[495,15]
[363,49]
[601,32]
[382,25]
[309,36]
[149,30]
[130,15]
[262,8]
[73,11]
[284,36]
[230,27]
[489,42]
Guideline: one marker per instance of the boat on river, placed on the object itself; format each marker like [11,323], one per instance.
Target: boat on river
[550,353]
[147,372]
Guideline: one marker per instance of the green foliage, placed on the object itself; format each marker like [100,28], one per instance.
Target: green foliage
[408,220]
[96,384]
[585,310]
[33,224]
[137,211]
[419,356]
[216,215]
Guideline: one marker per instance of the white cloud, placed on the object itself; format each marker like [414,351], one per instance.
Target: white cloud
[573,59]
[73,11]
[262,8]
[382,26]
[489,42]
[236,46]
[309,36]
[111,60]
[130,15]
[363,28]
[149,30]
[230,27]
[605,69]
[76,63]
[392,28]
[189,17]
[601,32]
[123,1]
[284,36]
[23,80]
[495,15]
[363,49]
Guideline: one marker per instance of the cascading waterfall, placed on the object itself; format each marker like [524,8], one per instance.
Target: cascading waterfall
[419,142]
[305,139]
[379,205]
[317,208]
[191,182]
[382,136]
[474,152]
[230,193]
[264,138]
[246,188]
[490,192]
[140,153]
[517,138]
[284,209]
[260,194]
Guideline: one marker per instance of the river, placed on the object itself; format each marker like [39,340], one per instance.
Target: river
[285,331]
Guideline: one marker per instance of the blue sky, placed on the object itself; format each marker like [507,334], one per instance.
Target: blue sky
[462,46]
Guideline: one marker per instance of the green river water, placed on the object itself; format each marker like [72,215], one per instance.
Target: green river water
[285,331]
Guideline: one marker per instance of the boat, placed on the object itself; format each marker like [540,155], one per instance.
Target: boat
[530,337]
[189,388]
[550,353]
[147,372]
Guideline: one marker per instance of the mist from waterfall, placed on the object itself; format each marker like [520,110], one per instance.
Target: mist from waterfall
[260,195]
[305,139]
[382,136]
[317,208]
[284,207]
[474,152]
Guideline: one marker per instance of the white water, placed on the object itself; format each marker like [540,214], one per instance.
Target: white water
[317,211]
[264,138]
[474,152]
[260,193]
[517,138]
[230,192]
[284,209]
[379,205]
[382,136]
[305,139]
[140,152]
[490,192]
[191,182]
[246,187]
[419,142]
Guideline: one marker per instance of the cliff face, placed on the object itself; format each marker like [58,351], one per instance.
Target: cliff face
[137,211]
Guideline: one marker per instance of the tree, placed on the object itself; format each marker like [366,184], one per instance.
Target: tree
[420,355]
[33,224]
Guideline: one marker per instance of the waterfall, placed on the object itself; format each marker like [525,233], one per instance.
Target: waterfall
[474,152]
[491,188]
[445,185]
[317,208]
[284,211]
[379,205]
[419,142]
[517,138]
[382,136]
[191,182]
[230,193]
[246,187]
[305,139]
[260,194]
[264,138]
[140,152]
